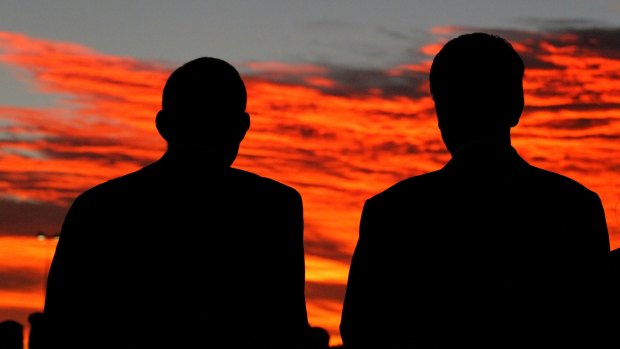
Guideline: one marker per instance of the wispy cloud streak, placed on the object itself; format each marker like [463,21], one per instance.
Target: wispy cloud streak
[337,134]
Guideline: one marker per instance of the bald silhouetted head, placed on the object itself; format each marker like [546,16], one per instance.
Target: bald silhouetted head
[203,106]
[476,81]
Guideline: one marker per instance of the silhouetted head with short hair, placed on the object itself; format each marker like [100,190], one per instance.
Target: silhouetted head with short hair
[203,106]
[476,81]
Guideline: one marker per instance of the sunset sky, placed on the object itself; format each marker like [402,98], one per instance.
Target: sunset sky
[337,92]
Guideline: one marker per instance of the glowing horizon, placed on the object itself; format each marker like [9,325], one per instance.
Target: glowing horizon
[313,128]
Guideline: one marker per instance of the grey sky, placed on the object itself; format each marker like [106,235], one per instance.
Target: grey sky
[356,33]
[238,30]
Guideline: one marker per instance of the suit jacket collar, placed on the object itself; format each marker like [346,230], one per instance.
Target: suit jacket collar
[485,157]
[191,163]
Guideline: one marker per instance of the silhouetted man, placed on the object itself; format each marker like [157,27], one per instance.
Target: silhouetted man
[186,252]
[489,251]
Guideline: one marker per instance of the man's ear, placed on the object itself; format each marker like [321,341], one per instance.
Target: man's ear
[162,122]
[244,125]
[517,110]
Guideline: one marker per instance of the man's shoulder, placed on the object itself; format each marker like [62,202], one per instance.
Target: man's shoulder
[555,181]
[115,188]
[260,182]
[414,186]
[137,181]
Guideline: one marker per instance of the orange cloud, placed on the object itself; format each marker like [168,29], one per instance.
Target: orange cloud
[337,134]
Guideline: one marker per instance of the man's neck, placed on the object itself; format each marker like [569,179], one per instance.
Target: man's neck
[199,153]
[490,142]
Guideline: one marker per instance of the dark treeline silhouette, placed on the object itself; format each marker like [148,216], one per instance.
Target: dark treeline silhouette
[318,338]
[36,336]
[489,251]
[11,335]
[187,252]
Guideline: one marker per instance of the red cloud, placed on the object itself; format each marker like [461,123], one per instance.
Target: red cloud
[337,134]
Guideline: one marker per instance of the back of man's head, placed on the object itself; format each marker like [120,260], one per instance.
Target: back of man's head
[203,103]
[476,82]
[205,84]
